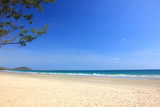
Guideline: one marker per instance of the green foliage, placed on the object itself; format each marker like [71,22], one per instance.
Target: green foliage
[10,13]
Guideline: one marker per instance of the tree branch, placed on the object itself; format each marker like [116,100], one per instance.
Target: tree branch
[9,43]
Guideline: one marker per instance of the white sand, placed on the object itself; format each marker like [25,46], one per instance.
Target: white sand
[32,90]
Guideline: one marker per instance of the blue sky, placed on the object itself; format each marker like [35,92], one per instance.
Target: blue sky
[93,34]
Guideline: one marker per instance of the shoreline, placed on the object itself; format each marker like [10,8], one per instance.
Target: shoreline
[120,76]
[102,80]
[36,90]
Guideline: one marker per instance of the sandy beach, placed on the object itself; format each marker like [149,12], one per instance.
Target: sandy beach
[35,90]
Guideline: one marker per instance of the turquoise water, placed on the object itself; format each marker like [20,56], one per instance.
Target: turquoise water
[129,74]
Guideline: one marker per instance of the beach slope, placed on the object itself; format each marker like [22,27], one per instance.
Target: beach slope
[35,90]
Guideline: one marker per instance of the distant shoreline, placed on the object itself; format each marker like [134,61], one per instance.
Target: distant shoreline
[130,74]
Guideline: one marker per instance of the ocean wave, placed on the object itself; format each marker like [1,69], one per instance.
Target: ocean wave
[127,76]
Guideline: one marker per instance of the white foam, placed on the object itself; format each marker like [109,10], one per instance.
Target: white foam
[92,75]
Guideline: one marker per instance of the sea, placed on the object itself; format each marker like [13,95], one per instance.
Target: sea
[125,74]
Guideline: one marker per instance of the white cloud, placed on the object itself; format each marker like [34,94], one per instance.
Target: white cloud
[44,60]
[123,39]
[148,53]
[116,59]
[79,59]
